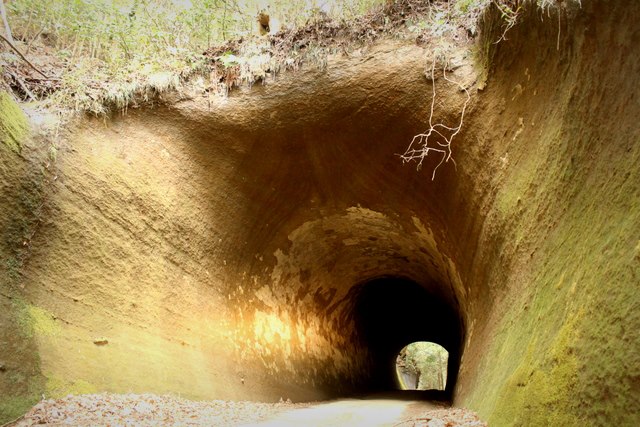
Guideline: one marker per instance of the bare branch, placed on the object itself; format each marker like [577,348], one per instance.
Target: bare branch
[22,56]
[510,17]
[22,85]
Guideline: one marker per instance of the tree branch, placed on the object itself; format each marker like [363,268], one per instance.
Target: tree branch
[22,56]
[23,85]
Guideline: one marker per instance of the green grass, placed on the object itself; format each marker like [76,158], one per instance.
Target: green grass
[126,53]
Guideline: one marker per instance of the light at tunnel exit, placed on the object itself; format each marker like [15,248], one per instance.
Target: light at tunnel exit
[422,366]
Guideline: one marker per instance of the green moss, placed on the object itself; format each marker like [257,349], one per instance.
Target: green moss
[15,406]
[532,362]
[517,194]
[565,349]
[43,321]
[540,388]
[36,321]
[14,126]
[57,387]
[12,266]
[484,50]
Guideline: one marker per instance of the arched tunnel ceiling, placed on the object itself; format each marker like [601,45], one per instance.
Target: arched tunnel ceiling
[320,201]
[280,199]
[312,177]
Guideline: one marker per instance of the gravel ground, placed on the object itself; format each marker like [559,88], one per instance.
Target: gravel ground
[151,410]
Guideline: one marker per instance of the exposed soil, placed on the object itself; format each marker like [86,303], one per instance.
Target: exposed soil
[47,71]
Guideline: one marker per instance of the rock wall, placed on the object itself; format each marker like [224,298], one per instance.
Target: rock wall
[24,175]
[223,248]
[558,248]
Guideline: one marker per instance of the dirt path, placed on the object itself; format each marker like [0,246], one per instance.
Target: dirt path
[353,413]
[150,410]
[372,413]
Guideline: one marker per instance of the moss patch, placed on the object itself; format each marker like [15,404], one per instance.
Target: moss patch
[57,387]
[542,380]
[12,407]
[36,321]
[14,126]
[564,351]
[21,385]
[561,348]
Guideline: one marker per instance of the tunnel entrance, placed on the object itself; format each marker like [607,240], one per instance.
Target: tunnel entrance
[393,312]
[422,366]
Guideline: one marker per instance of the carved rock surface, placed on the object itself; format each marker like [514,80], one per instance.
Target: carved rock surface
[270,244]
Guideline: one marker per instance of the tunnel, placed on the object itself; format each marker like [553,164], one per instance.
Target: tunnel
[392,312]
[257,237]
[271,244]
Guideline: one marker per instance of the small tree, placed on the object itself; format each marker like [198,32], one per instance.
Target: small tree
[7,28]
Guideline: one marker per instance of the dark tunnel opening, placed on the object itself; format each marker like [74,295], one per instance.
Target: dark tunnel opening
[392,312]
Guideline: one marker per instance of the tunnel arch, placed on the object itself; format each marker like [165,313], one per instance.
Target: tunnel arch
[279,265]
[390,312]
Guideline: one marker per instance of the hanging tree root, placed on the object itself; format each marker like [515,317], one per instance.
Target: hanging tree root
[438,137]
[510,14]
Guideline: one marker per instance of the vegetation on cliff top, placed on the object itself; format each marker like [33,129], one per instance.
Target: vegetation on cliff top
[100,55]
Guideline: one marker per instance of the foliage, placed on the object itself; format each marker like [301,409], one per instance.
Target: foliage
[116,53]
[120,30]
[427,362]
[121,51]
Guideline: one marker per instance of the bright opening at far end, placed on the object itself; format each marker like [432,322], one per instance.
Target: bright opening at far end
[422,366]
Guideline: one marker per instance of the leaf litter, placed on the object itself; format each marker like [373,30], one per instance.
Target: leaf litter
[107,409]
